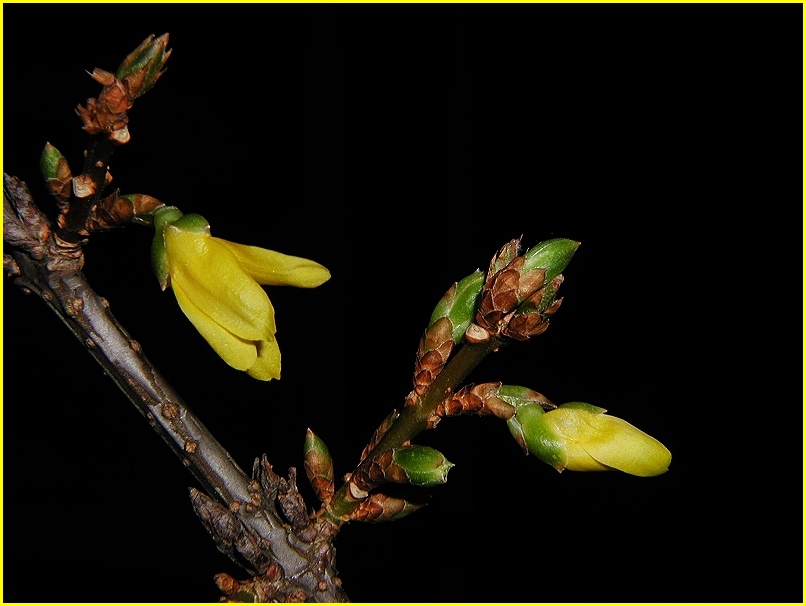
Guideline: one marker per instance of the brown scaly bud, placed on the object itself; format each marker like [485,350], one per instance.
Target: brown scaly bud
[269,481]
[318,467]
[529,321]
[433,351]
[383,508]
[116,210]
[379,433]
[107,114]
[290,500]
[499,295]
[481,400]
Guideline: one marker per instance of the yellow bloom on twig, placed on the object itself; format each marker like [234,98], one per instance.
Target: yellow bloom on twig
[217,284]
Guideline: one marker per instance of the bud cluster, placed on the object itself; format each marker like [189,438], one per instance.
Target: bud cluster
[519,292]
[136,75]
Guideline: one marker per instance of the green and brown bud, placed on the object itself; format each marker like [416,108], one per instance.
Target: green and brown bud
[580,437]
[452,315]
[318,467]
[143,67]
[57,174]
[417,465]
[379,507]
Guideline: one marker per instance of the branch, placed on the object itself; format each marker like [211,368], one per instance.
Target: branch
[290,563]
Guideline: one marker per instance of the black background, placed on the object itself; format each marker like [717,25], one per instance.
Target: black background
[401,146]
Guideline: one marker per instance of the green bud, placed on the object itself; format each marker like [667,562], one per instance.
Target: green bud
[318,462]
[56,172]
[318,466]
[52,163]
[459,304]
[422,465]
[159,258]
[551,255]
[144,65]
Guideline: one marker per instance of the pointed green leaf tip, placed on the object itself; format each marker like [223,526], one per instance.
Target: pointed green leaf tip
[144,65]
[317,457]
[49,162]
[423,466]
[551,255]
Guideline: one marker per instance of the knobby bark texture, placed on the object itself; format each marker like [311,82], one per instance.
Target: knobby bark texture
[260,521]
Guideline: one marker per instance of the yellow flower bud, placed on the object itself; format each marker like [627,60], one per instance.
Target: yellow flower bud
[594,441]
[580,437]
[217,284]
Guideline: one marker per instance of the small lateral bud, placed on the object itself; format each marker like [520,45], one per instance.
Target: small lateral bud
[319,467]
[56,172]
[379,507]
[420,465]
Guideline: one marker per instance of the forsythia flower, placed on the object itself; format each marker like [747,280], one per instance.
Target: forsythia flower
[580,437]
[217,285]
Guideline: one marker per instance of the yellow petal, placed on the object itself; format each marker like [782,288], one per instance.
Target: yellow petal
[578,459]
[631,451]
[213,280]
[276,269]
[267,365]
[610,441]
[236,352]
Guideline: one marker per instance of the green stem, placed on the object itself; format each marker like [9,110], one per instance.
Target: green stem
[413,420]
